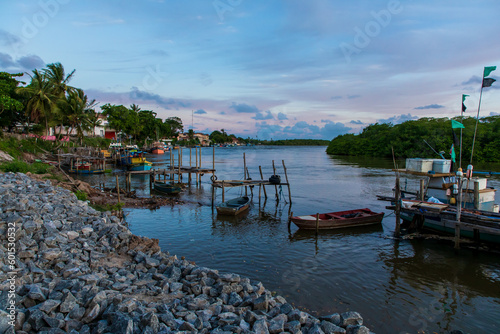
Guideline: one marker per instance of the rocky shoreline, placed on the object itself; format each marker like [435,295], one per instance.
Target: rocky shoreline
[71,269]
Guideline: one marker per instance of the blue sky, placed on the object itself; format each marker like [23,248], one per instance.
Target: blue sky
[266,69]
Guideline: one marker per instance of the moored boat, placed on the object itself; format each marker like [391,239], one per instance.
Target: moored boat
[233,206]
[339,219]
[167,188]
[157,148]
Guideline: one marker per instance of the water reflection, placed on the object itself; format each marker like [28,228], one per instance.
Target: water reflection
[396,286]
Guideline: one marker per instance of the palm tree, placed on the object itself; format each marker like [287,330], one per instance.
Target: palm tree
[55,74]
[76,107]
[94,120]
[40,98]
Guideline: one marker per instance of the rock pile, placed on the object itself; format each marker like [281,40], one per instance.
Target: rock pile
[81,271]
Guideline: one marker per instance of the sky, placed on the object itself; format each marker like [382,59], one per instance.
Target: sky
[266,69]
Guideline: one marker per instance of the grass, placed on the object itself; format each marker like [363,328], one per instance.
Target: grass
[108,207]
[18,166]
[81,195]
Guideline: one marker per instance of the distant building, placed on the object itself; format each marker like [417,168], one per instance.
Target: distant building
[203,138]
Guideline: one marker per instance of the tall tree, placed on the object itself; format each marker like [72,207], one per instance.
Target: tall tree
[77,108]
[56,75]
[11,107]
[40,98]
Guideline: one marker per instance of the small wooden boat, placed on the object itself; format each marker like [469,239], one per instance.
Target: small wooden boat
[340,219]
[233,206]
[167,188]
[157,148]
[139,163]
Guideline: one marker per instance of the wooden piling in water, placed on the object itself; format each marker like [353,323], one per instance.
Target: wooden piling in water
[118,188]
[276,186]
[317,223]
[262,178]
[287,183]
[397,196]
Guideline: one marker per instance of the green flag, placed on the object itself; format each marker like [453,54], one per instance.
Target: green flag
[488,70]
[463,100]
[452,153]
[456,125]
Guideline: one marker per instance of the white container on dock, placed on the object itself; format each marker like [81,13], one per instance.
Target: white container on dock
[419,165]
[441,166]
[482,183]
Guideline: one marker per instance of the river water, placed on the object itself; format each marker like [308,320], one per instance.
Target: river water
[410,286]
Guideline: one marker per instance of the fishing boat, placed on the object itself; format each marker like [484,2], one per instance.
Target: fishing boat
[139,163]
[233,206]
[88,167]
[167,188]
[340,219]
[157,148]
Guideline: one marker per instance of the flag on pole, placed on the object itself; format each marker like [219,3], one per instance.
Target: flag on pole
[463,100]
[487,82]
[452,153]
[488,70]
[456,125]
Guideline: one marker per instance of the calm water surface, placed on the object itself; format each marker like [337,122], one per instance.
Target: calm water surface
[406,286]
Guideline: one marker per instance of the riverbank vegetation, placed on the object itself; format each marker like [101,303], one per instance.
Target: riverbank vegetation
[408,139]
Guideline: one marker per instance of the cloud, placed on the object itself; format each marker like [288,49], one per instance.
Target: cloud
[167,103]
[6,61]
[263,116]
[336,97]
[398,119]
[350,97]
[25,63]
[494,113]
[300,130]
[31,62]
[244,108]
[9,39]
[430,106]
[282,116]
[356,122]
[200,112]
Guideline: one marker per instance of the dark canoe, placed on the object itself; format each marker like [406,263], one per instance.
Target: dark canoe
[167,188]
[340,219]
[233,206]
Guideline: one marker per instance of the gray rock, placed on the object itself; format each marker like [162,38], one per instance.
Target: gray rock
[261,303]
[293,327]
[277,324]
[357,329]
[351,318]
[36,293]
[260,327]
[49,305]
[329,327]
[333,318]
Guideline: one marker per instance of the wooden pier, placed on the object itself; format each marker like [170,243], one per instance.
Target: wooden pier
[248,183]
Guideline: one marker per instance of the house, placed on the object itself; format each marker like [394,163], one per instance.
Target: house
[202,138]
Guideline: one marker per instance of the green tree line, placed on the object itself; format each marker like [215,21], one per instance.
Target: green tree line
[48,101]
[408,139]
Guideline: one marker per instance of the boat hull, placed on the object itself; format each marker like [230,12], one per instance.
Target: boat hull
[140,167]
[234,206]
[167,188]
[341,219]
[446,226]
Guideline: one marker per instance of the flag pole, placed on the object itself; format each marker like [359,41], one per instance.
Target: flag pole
[462,120]
[477,121]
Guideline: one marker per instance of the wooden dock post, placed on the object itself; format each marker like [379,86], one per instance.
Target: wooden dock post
[476,195]
[287,183]
[213,157]
[422,190]
[263,186]
[397,196]
[245,172]
[223,195]
[317,223]
[117,188]
[276,186]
